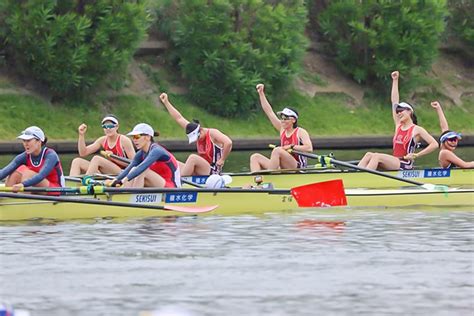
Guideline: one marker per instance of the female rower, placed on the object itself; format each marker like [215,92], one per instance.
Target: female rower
[38,165]
[213,146]
[448,143]
[152,166]
[291,137]
[112,142]
[407,135]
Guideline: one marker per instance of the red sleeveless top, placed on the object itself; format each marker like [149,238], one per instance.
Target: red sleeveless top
[55,177]
[208,149]
[117,149]
[403,142]
[294,140]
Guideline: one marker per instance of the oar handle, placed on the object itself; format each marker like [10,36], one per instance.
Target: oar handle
[114,156]
[348,165]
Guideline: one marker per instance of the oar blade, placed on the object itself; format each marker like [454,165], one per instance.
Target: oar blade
[321,194]
[189,209]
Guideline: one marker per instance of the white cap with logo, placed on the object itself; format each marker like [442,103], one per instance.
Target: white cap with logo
[32,132]
[142,128]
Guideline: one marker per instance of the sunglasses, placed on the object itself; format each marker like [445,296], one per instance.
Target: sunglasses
[138,136]
[454,139]
[285,118]
[400,110]
[108,126]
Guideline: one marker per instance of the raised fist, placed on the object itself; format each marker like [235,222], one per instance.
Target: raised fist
[260,87]
[82,129]
[395,75]
[436,105]
[164,97]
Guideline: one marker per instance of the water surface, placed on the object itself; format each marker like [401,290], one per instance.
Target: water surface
[355,261]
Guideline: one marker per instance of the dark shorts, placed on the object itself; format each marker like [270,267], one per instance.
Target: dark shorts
[406,164]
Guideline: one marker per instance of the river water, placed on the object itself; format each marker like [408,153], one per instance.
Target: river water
[360,261]
[372,261]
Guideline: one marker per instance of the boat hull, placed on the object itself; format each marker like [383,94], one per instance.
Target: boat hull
[353,178]
[230,203]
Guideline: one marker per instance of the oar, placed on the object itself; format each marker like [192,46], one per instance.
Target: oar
[166,207]
[348,165]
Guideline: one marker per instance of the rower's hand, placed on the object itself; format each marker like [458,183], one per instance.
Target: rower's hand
[108,153]
[112,183]
[286,147]
[395,75]
[410,156]
[17,187]
[164,98]
[82,129]
[220,163]
[436,105]
[260,87]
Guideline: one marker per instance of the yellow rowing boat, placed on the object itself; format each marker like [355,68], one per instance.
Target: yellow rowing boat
[230,202]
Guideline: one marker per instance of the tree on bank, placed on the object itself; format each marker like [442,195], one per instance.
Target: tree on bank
[371,38]
[69,45]
[225,47]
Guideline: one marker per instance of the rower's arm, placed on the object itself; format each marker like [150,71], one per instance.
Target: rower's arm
[13,165]
[307,145]
[395,95]
[89,149]
[220,138]
[155,154]
[432,143]
[267,108]
[455,160]
[128,147]
[443,122]
[175,114]
[126,171]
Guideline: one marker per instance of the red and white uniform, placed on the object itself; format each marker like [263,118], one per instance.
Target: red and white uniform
[116,150]
[293,139]
[403,144]
[168,170]
[209,150]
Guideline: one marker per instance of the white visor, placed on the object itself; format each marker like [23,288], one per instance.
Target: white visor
[288,112]
[142,128]
[194,135]
[404,105]
[32,132]
[110,118]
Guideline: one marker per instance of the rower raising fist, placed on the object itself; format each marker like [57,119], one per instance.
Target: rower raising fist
[395,75]
[436,105]
[260,87]
[164,97]
[82,129]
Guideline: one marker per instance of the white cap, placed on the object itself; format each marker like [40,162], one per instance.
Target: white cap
[110,118]
[32,132]
[405,105]
[288,112]
[142,128]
